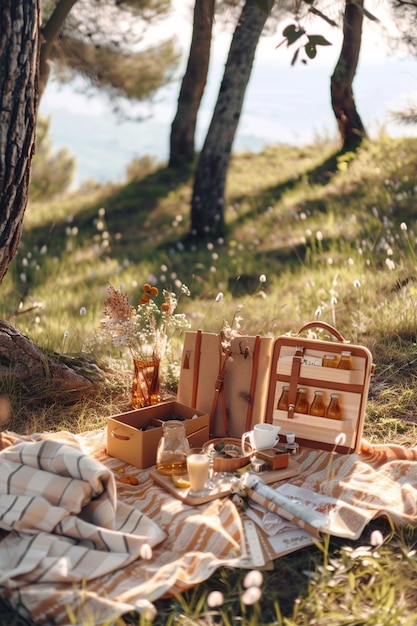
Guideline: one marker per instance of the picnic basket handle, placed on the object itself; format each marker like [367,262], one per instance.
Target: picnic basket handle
[325,326]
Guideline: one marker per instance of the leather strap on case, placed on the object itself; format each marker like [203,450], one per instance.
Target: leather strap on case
[197,356]
[295,375]
[255,367]
[219,390]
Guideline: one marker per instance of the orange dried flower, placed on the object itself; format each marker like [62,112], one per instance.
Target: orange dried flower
[144,299]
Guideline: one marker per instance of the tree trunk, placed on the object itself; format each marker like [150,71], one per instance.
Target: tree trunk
[351,129]
[193,84]
[207,205]
[49,34]
[37,373]
[19,98]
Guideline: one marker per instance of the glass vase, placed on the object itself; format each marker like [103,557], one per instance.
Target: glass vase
[145,386]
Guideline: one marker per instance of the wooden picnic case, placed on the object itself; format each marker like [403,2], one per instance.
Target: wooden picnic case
[251,382]
[298,362]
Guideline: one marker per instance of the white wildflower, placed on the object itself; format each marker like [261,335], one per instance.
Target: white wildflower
[214,599]
[254,578]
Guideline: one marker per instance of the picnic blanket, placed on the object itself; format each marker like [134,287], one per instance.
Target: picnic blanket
[174,546]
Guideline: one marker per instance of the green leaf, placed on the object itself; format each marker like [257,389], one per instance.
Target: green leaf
[318,40]
[292,33]
[311,50]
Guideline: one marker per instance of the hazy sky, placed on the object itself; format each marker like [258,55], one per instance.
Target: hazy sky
[282,104]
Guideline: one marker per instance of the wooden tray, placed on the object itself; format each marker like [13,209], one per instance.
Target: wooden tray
[223,483]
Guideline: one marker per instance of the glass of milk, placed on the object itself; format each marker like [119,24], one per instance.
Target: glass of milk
[198,472]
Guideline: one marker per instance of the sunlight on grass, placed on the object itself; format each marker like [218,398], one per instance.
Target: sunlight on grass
[343,252]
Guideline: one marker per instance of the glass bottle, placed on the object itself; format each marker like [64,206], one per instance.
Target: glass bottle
[283,399]
[330,360]
[333,411]
[345,362]
[317,407]
[173,448]
[301,402]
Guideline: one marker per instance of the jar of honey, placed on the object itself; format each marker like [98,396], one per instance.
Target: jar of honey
[301,402]
[330,360]
[283,400]
[173,448]
[318,407]
[333,410]
[345,362]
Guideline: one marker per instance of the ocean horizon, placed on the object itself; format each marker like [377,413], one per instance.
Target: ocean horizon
[283,105]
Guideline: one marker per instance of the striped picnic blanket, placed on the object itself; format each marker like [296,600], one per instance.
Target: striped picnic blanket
[65,521]
[55,588]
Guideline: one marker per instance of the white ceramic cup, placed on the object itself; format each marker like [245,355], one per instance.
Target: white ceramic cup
[291,438]
[198,471]
[262,436]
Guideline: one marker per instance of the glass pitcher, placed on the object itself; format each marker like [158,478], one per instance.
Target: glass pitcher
[173,448]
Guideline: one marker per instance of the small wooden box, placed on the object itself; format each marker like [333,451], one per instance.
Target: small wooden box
[133,437]
[275,458]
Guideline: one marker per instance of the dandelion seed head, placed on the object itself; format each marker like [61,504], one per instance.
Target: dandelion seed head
[214,599]
[319,235]
[376,538]
[83,311]
[357,283]
[262,278]
[254,578]
[219,296]
[251,595]
[403,226]
[340,439]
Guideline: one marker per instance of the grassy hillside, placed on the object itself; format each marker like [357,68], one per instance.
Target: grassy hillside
[335,238]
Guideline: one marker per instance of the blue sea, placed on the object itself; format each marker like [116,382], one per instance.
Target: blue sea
[283,104]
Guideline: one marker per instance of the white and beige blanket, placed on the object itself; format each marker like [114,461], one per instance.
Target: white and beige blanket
[80,544]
